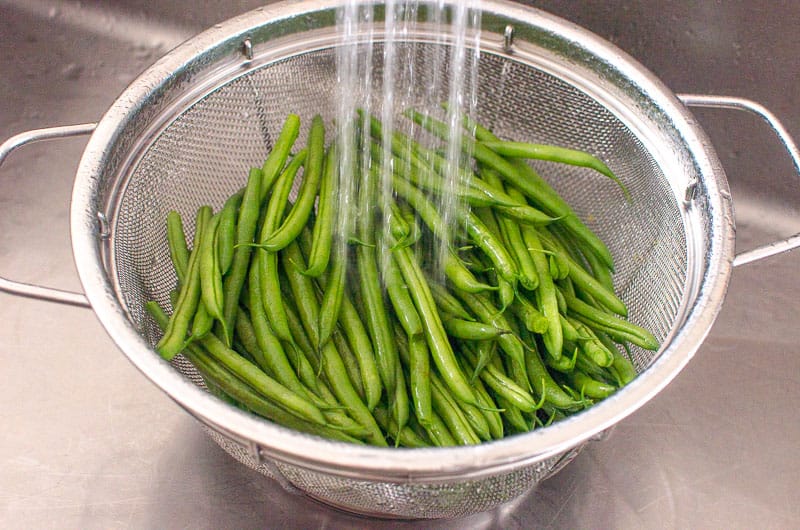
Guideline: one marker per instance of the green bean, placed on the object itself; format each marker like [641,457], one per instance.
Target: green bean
[533,319]
[506,288]
[178,251]
[414,354]
[522,176]
[274,354]
[267,261]
[590,387]
[465,329]
[331,361]
[624,367]
[527,271]
[585,281]
[400,299]
[452,416]
[485,351]
[419,370]
[453,268]
[335,292]
[351,365]
[244,394]
[591,345]
[369,283]
[448,303]
[298,216]
[615,327]
[570,332]
[438,344]
[300,338]
[399,402]
[226,238]
[406,437]
[552,153]
[493,248]
[246,337]
[426,179]
[501,384]
[245,233]
[261,382]
[544,385]
[488,314]
[545,294]
[490,411]
[277,157]
[438,432]
[332,297]
[210,273]
[326,212]
[202,323]
[174,337]
[513,416]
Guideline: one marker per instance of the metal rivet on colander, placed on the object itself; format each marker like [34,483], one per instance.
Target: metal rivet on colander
[508,38]
[103,232]
[247,49]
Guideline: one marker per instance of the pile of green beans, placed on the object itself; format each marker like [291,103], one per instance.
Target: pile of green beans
[365,338]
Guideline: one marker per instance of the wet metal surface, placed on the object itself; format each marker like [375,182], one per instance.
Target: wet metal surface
[89,443]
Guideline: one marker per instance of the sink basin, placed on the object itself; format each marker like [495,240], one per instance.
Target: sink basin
[90,443]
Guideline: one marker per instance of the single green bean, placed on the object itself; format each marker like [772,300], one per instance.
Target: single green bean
[552,153]
[245,233]
[202,323]
[226,238]
[351,365]
[465,329]
[178,251]
[280,152]
[326,212]
[590,387]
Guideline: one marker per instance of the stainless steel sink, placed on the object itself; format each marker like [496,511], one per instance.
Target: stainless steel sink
[90,443]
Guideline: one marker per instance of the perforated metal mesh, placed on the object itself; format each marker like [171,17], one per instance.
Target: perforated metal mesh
[204,155]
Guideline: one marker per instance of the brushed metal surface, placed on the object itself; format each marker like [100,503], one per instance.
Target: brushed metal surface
[92,444]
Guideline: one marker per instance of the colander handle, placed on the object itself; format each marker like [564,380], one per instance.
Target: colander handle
[25,289]
[736,103]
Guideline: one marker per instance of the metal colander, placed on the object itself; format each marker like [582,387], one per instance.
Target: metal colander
[186,133]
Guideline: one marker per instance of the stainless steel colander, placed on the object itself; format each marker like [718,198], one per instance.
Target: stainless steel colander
[186,132]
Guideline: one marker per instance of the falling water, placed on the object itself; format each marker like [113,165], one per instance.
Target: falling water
[422,55]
